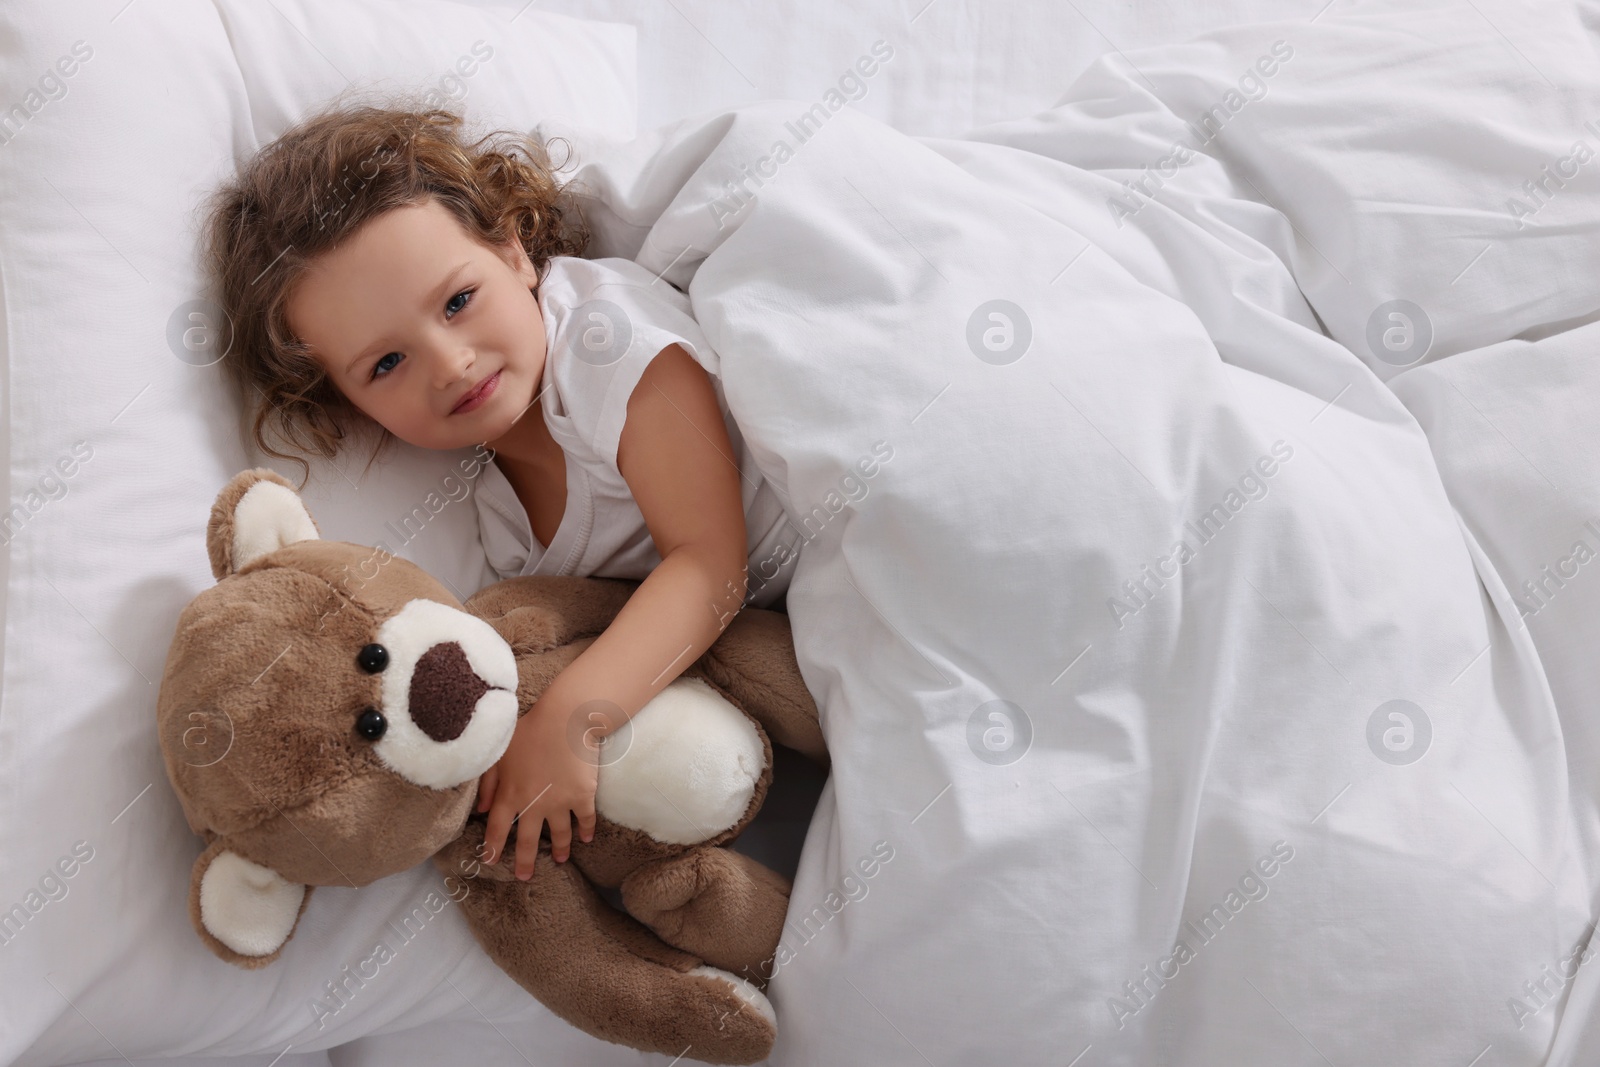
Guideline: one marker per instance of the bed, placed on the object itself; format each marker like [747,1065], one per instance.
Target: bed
[1343,749]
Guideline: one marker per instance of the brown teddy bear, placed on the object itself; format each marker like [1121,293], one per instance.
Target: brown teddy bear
[325,714]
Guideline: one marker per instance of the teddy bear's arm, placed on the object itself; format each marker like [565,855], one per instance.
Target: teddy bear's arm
[538,612]
[754,661]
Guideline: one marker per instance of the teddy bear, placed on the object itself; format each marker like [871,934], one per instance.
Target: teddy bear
[325,713]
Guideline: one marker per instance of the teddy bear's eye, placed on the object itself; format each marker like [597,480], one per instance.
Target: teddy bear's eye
[373,658]
[371,724]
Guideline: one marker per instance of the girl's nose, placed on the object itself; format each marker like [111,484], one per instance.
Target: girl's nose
[453,365]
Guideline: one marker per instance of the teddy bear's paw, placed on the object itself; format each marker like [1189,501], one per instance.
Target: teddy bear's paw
[721,905]
[746,1018]
[685,768]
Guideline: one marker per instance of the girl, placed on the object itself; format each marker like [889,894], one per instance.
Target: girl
[381,271]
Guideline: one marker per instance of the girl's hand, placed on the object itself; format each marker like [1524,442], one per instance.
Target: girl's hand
[543,777]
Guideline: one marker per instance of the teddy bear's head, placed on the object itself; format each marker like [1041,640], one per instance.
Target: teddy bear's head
[316,685]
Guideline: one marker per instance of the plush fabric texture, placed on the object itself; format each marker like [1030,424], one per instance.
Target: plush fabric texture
[278,699]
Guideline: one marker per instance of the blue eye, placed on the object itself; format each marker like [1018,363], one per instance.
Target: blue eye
[378,369]
[452,309]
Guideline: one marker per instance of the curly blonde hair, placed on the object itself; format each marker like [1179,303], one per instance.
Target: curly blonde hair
[315,186]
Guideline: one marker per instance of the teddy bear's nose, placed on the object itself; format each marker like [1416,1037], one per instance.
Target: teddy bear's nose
[444,691]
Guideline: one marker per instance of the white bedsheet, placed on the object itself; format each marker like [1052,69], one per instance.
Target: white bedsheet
[1419,897]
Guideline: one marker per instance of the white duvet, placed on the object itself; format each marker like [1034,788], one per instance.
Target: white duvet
[1177,716]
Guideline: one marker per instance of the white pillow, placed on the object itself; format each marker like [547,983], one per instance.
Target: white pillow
[116,442]
[507,62]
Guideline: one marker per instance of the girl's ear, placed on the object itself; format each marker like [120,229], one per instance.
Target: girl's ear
[517,258]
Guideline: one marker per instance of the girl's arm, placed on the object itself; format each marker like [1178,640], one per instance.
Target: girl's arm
[678,462]
[675,455]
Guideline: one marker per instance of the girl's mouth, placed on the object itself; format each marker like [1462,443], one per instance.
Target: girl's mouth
[477,397]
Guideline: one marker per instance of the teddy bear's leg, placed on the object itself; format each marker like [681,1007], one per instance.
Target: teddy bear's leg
[720,904]
[616,851]
[599,969]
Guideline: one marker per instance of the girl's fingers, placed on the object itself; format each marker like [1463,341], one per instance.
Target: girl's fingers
[527,846]
[560,835]
[494,834]
[586,824]
[486,784]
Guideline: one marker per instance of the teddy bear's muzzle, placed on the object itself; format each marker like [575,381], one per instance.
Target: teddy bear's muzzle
[449,695]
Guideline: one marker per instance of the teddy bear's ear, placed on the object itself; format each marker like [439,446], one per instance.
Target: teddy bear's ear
[244,912]
[257,512]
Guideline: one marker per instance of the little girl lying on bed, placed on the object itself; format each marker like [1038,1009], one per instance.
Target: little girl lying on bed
[379,268]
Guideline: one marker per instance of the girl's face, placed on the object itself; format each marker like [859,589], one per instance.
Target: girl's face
[411,314]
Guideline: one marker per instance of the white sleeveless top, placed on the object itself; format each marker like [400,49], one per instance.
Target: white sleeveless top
[604,321]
